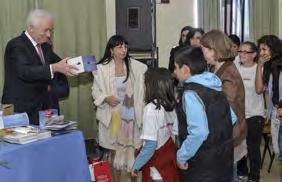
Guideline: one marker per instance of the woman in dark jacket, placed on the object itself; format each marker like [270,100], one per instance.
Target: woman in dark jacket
[184,31]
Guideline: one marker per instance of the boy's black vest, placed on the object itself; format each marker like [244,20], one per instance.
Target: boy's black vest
[213,162]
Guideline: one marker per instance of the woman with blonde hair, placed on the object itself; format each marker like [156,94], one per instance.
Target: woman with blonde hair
[219,52]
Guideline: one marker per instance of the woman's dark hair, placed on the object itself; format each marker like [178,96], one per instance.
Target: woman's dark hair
[159,88]
[274,65]
[114,41]
[189,28]
[273,42]
[235,39]
[193,58]
[192,33]
[253,48]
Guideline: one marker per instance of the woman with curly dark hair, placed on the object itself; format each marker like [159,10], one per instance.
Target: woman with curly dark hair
[268,79]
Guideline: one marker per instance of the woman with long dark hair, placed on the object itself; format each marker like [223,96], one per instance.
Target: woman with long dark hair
[181,43]
[268,80]
[118,91]
[194,36]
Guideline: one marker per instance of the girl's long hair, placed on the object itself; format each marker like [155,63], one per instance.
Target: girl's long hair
[159,88]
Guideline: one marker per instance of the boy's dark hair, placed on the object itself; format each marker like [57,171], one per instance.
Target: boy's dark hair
[235,39]
[159,88]
[193,58]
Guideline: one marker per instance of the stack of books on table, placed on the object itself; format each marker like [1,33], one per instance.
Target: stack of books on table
[57,125]
[25,134]
[62,125]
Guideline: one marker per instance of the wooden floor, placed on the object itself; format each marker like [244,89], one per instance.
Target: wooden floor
[275,174]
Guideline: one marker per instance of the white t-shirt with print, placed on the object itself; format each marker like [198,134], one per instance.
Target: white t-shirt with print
[254,103]
[158,125]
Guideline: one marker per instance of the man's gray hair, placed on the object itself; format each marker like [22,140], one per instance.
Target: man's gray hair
[35,16]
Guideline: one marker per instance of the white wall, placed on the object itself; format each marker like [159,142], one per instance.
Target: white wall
[170,19]
[110,17]
[280,18]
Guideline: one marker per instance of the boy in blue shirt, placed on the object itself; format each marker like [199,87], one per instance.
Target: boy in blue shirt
[205,122]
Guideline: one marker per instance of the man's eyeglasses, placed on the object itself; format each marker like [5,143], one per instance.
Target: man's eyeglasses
[245,52]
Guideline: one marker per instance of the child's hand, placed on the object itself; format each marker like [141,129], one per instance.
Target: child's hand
[134,173]
[183,166]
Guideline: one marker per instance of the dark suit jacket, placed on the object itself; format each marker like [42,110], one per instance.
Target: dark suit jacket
[27,79]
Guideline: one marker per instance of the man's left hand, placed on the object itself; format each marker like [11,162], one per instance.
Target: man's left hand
[63,67]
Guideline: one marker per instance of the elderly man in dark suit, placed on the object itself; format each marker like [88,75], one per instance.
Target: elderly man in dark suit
[34,74]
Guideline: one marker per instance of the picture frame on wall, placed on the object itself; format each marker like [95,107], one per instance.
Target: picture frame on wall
[133,18]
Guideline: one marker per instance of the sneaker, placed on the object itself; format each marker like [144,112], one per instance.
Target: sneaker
[242,178]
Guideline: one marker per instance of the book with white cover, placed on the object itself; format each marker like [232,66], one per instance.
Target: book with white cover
[20,138]
[23,135]
[83,63]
